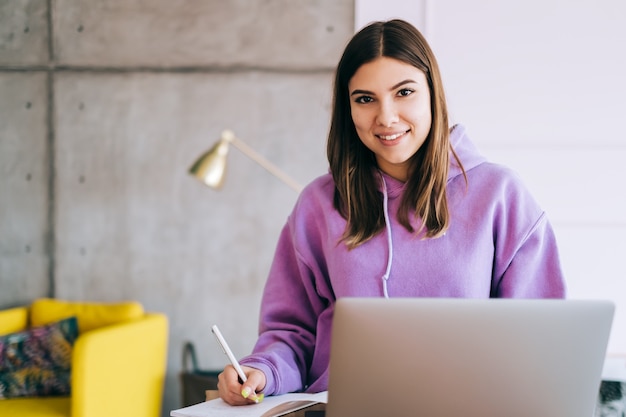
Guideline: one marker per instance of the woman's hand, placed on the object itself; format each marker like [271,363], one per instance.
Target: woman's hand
[234,393]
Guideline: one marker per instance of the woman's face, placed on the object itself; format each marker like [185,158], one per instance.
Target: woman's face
[390,106]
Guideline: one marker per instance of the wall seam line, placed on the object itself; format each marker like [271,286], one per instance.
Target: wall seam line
[50,156]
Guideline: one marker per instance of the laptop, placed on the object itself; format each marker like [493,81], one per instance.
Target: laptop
[465,357]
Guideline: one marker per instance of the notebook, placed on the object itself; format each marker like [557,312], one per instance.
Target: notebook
[464,357]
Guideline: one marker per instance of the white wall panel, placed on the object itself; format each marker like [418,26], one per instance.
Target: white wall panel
[534,72]
[414,11]
[540,87]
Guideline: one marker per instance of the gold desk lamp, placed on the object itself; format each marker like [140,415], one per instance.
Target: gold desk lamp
[211,166]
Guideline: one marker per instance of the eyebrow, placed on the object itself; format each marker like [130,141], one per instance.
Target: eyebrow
[401,83]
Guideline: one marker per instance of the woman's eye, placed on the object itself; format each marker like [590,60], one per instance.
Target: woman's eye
[405,92]
[363,99]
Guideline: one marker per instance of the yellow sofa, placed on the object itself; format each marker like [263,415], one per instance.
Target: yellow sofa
[118,361]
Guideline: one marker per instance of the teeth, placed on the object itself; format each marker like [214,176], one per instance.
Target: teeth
[391,137]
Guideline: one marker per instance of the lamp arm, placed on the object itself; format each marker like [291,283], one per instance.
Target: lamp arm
[259,159]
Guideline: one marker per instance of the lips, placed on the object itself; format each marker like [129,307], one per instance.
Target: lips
[392,136]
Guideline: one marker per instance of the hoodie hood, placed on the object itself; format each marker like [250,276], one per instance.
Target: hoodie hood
[466,151]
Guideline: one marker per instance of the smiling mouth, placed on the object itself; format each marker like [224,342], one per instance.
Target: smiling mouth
[392,137]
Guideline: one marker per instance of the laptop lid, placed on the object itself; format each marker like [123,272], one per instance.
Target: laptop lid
[465,357]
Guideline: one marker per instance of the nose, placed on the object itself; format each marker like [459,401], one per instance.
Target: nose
[387,114]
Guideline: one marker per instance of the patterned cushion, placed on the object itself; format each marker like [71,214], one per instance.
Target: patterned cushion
[36,362]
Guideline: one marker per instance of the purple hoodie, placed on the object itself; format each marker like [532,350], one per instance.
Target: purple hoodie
[499,244]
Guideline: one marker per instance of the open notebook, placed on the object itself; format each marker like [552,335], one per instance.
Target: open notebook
[273,406]
[471,358]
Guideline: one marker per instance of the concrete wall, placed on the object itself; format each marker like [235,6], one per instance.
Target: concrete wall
[104,105]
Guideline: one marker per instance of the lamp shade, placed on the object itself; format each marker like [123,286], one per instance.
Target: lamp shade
[210,168]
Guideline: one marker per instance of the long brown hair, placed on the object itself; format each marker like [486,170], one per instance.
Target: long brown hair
[352,164]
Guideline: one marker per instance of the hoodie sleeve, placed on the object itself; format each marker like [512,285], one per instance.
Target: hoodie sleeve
[526,263]
[535,269]
[290,310]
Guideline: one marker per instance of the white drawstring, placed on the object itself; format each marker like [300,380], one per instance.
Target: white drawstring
[389,240]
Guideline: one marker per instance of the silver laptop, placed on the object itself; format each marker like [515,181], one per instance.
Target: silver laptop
[471,358]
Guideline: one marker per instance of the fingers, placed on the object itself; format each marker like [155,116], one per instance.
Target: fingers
[229,388]
[233,392]
[254,384]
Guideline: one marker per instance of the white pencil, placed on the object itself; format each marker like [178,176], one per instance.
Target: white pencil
[228,352]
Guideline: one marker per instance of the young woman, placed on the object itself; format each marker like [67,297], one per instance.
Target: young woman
[410,209]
